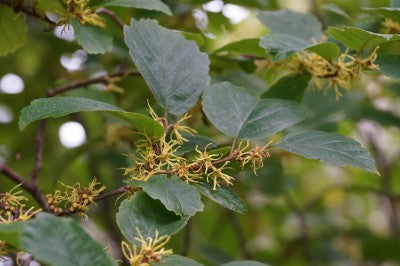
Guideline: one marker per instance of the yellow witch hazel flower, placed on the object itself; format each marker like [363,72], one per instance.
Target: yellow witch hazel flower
[80,10]
[337,74]
[76,198]
[178,128]
[150,250]
[12,205]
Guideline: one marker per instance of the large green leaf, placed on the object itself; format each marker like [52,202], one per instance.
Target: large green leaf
[174,68]
[328,147]
[389,66]
[290,87]
[52,240]
[148,215]
[239,114]
[300,25]
[94,40]
[358,39]
[224,196]
[244,263]
[157,5]
[176,195]
[176,260]
[61,106]
[12,30]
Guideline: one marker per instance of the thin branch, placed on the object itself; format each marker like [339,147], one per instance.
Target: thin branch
[112,15]
[28,11]
[105,79]
[187,238]
[38,152]
[28,186]
[240,235]
[112,193]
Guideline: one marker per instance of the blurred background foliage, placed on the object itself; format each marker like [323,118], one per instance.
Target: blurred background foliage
[300,212]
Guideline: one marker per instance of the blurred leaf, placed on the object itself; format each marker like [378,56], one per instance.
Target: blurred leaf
[327,50]
[239,114]
[157,5]
[61,106]
[11,232]
[243,47]
[52,240]
[287,22]
[290,87]
[12,30]
[358,39]
[176,195]
[174,68]
[176,260]
[387,12]
[380,249]
[223,196]
[148,215]
[94,40]
[54,6]
[336,9]
[244,263]
[328,147]
[389,66]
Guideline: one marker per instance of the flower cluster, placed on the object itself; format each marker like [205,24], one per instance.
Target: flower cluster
[149,250]
[13,207]
[76,199]
[334,74]
[159,156]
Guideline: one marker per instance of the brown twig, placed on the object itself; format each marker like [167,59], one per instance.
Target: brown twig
[38,152]
[112,15]
[240,235]
[105,79]
[28,186]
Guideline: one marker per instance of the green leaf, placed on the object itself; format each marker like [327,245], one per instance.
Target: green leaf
[389,66]
[223,196]
[176,260]
[358,39]
[239,114]
[329,147]
[148,215]
[11,232]
[157,5]
[174,68]
[12,30]
[286,22]
[244,263]
[281,46]
[176,195]
[61,106]
[336,10]
[327,50]
[54,6]
[290,87]
[52,240]
[94,40]
[243,47]
[387,12]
